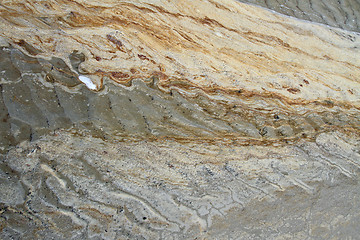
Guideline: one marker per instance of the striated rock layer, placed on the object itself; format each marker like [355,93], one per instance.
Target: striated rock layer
[65,186]
[200,119]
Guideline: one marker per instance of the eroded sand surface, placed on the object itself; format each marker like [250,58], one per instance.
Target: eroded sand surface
[178,120]
[343,14]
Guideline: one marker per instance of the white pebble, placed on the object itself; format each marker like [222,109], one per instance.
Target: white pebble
[87,81]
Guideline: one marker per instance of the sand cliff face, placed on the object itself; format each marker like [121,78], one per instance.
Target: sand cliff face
[208,119]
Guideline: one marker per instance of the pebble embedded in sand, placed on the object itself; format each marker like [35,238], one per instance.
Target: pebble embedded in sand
[87,81]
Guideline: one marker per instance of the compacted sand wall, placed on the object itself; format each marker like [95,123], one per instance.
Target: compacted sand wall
[179,120]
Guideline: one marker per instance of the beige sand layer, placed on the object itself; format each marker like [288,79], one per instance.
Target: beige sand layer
[223,44]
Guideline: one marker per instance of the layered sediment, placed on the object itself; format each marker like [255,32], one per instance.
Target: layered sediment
[207,119]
